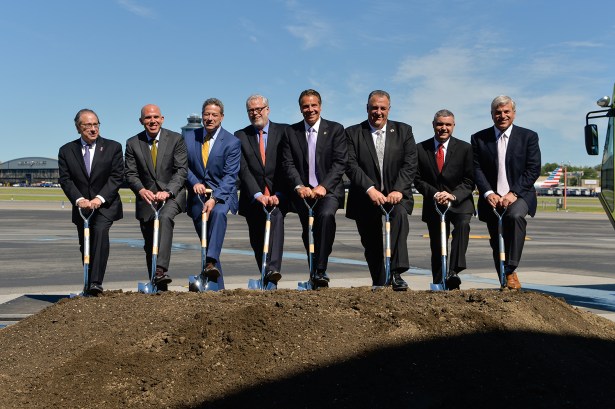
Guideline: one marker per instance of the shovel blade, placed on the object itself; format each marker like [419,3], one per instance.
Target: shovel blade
[436,287]
[145,288]
[195,283]
[254,284]
[211,286]
[304,286]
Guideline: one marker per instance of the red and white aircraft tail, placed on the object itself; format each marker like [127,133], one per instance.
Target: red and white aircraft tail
[553,180]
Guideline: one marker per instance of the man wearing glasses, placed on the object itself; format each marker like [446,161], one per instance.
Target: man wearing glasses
[262,184]
[214,157]
[156,169]
[91,172]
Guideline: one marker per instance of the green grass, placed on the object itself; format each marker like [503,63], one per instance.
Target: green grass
[50,194]
[46,194]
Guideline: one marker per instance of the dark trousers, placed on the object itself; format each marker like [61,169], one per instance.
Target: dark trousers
[458,247]
[256,219]
[323,230]
[369,226]
[514,226]
[99,246]
[165,241]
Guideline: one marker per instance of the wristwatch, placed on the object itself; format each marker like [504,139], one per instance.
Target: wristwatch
[171,195]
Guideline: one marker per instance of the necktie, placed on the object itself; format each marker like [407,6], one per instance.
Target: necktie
[380,149]
[86,158]
[205,150]
[312,157]
[502,179]
[440,157]
[154,151]
[261,146]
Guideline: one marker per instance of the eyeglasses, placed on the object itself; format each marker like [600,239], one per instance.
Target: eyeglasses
[89,126]
[253,111]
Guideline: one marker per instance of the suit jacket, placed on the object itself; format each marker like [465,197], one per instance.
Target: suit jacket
[254,176]
[331,157]
[106,176]
[222,169]
[522,166]
[169,175]
[363,170]
[457,177]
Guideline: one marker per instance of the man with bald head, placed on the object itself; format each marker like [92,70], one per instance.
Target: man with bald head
[156,167]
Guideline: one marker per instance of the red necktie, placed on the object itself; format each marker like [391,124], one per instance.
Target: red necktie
[440,157]
[261,145]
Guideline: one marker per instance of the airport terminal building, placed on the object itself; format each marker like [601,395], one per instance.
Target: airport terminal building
[32,171]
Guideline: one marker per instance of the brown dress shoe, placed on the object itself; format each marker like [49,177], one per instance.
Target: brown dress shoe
[512,281]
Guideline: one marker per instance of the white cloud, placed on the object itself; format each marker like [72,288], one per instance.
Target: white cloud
[312,34]
[135,8]
[465,80]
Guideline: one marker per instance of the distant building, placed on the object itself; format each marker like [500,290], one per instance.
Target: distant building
[29,171]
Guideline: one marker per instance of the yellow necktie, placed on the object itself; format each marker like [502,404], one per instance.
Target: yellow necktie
[154,152]
[205,150]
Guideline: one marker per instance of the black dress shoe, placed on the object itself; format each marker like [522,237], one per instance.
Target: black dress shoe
[321,279]
[162,280]
[210,273]
[453,282]
[272,276]
[95,289]
[397,283]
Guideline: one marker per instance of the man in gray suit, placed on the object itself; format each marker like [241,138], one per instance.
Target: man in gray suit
[156,167]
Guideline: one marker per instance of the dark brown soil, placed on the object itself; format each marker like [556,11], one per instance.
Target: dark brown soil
[333,348]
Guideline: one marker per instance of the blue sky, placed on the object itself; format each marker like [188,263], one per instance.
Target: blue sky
[114,56]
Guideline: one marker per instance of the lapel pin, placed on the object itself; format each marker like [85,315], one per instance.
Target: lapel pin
[392,130]
[324,133]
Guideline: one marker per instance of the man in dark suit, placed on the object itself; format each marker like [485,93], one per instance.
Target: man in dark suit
[91,172]
[262,184]
[156,168]
[214,158]
[506,166]
[381,167]
[446,175]
[314,160]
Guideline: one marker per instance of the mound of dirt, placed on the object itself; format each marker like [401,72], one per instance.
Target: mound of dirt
[337,348]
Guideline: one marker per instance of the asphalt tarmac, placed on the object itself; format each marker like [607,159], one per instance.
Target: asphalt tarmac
[566,254]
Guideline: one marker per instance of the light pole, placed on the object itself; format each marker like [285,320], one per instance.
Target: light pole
[565,184]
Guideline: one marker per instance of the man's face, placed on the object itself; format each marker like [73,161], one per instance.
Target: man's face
[310,109]
[503,116]
[258,113]
[88,127]
[151,119]
[443,127]
[212,118]
[378,108]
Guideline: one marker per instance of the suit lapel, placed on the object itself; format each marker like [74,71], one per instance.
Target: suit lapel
[368,141]
[146,152]
[272,143]
[76,149]
[254,143]
[100,144]
[391,145]
[431,156]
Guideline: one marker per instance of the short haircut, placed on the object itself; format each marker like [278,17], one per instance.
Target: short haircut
[83,111]
[502,100]
[443,112]
[257,96]
[379,93]
[213,101]
[310,92]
